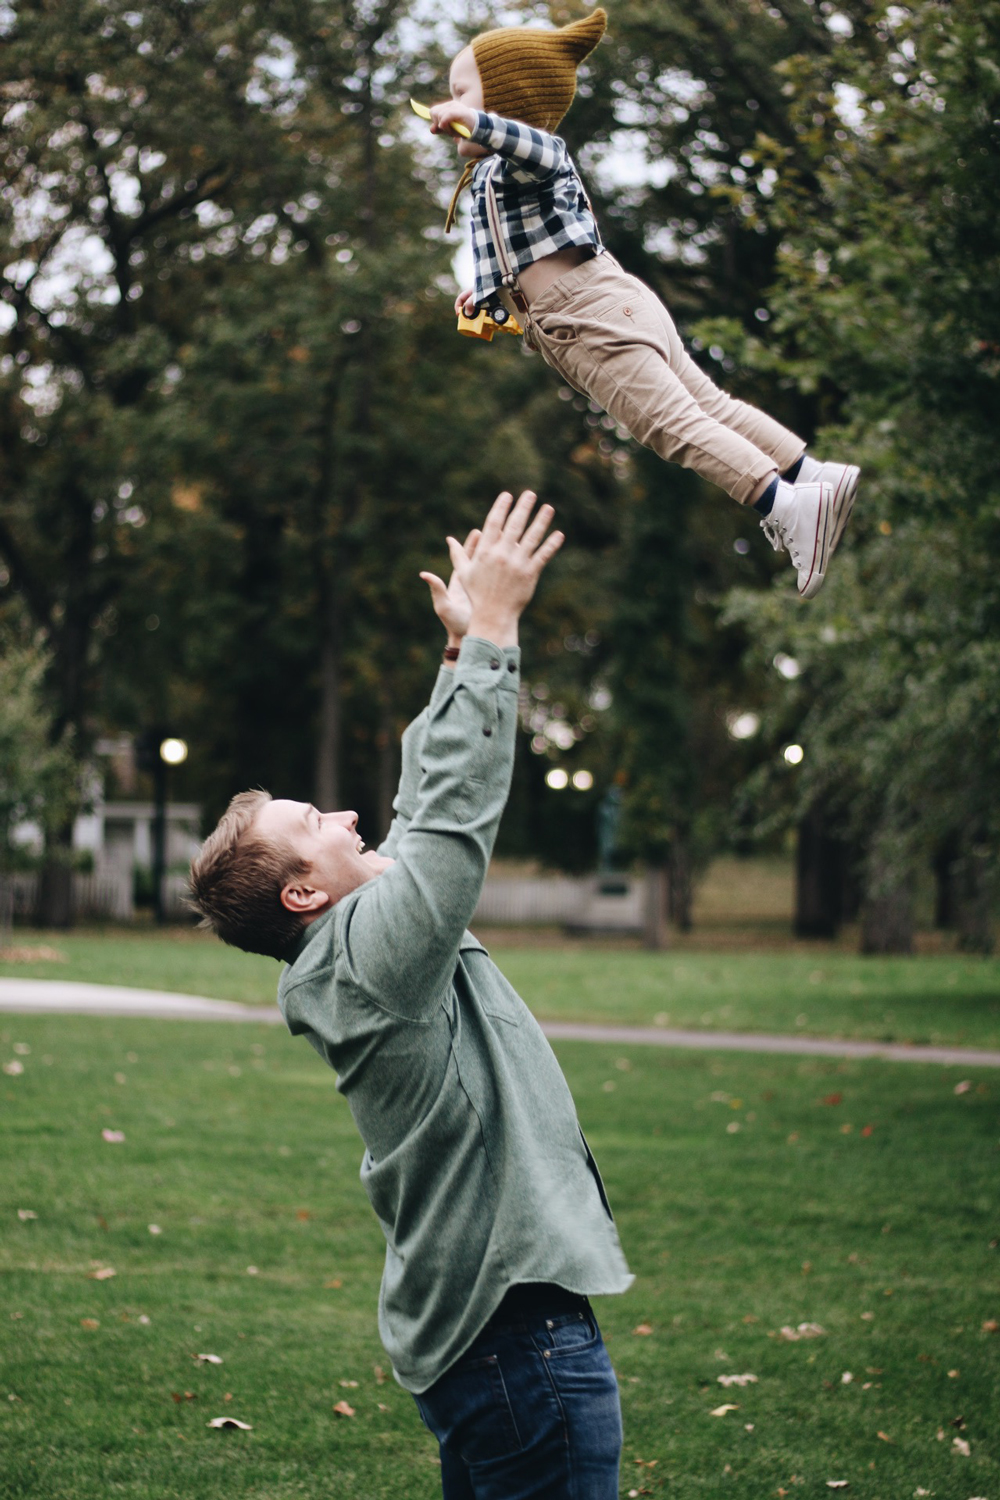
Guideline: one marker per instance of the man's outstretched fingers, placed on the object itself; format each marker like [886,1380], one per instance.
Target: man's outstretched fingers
[536,531]
[494,523]
[547,550]
[519,516]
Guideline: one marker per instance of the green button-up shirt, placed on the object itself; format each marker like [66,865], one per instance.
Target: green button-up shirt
[475,1162]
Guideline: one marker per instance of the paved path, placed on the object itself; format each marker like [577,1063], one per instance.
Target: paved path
[62,997]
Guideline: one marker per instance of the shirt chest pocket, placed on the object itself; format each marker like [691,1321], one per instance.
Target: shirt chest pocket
[494,995]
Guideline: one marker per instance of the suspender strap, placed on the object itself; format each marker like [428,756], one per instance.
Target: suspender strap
[508,278]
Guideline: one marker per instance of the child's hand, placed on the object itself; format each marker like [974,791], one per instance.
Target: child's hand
[465,303]
[442,116]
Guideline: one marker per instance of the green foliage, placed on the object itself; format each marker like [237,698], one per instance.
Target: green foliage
[37,776]
[889,250]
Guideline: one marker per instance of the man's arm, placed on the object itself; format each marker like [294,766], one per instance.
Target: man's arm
[453,608]
[400,937]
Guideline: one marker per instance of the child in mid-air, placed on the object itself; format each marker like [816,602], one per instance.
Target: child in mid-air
[537,248]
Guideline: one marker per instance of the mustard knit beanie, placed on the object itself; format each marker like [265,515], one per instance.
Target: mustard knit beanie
[530,75]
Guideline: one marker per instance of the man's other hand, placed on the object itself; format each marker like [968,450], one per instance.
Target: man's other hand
[501,575]
[452,604]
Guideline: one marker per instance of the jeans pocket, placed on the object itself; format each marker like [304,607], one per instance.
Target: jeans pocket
[574,1333]
[469,1411]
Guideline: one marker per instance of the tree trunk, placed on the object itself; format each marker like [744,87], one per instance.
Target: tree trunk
[328,749]
[55,894]
[887,910]
[974,890]
[945,895]
[819,878]
[655,928]
[679,884]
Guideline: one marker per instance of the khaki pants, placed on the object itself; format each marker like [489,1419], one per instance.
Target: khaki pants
[609,336]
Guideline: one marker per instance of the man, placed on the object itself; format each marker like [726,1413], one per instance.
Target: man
[496,1223]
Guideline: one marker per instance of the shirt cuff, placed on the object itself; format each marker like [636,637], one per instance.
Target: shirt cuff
[484,663]
[490,130]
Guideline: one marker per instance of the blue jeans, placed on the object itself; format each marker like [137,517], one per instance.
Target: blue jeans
[530,1412]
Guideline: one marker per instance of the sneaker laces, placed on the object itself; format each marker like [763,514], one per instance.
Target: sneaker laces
[779,539]
[772,531]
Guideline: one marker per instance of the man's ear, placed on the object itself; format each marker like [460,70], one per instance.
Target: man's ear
[303,899]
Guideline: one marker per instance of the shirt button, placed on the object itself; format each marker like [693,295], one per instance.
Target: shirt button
[494,666]
[627,311]
[546,1353]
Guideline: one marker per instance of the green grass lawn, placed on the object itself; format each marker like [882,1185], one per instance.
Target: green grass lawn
[932,998]
[747,1200]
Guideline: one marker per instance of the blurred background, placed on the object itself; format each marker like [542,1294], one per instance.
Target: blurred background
[236,420]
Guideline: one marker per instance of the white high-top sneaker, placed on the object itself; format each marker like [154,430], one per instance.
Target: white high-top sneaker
[843,477]
[804,519]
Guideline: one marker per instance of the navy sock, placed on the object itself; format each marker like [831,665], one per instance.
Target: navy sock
[766,502]
[793,473]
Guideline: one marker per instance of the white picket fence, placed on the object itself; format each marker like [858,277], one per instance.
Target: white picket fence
[96,897]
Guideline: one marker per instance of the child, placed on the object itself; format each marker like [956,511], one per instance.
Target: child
[536,245]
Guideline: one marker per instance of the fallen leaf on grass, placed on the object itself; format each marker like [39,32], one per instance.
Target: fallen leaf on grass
[884,1436]
[837,1484]
[643,1329]
[352,1384]
[833,1099]
[90,1323]
[184,1396]
[104,1273]
[13,1068]
[736,1379]
[720,1411]
[229,1422]
[963,1087]
[343,1410]
[207,1359]
[302,1214]
[960,1445]
[382,1406]
[113,1137]
[804,1331]
[154,1228]
[953,1374]
[991,1326]
[867,1129]
[379,1374]
[24,1214]
[336,1284]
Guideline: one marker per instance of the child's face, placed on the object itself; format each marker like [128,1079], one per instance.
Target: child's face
[467,89]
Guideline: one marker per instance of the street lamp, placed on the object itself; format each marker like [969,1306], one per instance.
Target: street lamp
[156,751]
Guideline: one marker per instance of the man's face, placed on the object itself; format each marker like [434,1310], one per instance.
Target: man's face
[330,847]
[467,89]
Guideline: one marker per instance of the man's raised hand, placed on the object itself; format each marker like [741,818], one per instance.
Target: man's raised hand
[501,575]
[451,603]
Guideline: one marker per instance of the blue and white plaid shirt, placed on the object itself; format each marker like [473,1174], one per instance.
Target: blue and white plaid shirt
[540,199]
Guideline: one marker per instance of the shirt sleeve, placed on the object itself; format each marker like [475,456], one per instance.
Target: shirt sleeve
[400,937]
[405,799]
[533,153]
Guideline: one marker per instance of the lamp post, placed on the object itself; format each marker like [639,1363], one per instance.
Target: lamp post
[156,751]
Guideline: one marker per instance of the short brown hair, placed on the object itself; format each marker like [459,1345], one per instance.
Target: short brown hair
[237,880]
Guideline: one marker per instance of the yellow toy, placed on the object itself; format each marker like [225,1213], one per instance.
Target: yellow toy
[485,323]
[425,114]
